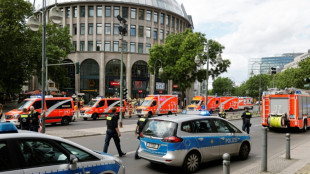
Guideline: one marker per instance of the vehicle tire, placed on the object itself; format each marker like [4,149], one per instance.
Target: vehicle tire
[65,121]
[305,127]
[149,114]
[85,119]
[95,116]
[169,113]
[231,109]
[244,151]
[191,162]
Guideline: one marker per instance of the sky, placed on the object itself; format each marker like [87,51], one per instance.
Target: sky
[252,29]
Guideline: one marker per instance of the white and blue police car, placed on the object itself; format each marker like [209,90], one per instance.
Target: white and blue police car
[189,140]
[24,152]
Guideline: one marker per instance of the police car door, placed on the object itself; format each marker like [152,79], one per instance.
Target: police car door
[42,156]
[8,162]
[228,139]
[207,139]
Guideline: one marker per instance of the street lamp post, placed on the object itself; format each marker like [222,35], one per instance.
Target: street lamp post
[160,71]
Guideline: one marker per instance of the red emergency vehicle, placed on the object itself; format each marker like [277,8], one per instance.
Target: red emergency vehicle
[57,113]
[158,105]
[286,108]
[101,107]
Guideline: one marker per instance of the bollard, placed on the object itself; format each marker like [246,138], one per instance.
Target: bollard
[264,151]
[226,163]
[288,146]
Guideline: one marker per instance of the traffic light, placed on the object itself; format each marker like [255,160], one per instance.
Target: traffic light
[125,93]
[122,29]
[307,80]
[77,67]
[273,70]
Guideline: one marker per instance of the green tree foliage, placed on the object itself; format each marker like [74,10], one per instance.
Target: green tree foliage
[178,54]
[252,85]
[223,86]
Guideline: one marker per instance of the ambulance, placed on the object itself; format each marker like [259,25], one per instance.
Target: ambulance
[158,105]
[100,107]
[58,109]
[286,108]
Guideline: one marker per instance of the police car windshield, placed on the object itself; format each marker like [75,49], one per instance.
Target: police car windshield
[146,102]
[195,102]
[159,128]
[92,103]
[24,104]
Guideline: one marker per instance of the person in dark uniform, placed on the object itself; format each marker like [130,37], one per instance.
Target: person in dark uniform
[113,132]
[33,120]
[24,120]
[222,113]
[140,125]
[246,117]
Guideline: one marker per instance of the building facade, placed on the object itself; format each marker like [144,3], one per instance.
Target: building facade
[297,59]
[95,36]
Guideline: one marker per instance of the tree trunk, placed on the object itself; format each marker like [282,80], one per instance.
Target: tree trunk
[182,99]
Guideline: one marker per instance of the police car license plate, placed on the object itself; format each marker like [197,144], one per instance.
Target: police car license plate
[152,145]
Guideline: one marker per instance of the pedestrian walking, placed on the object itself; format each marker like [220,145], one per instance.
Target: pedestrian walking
[24,120]
[246,117]
[140,125]
[1,111]
[113,132]
[33,120]
[222,113]
[129,109]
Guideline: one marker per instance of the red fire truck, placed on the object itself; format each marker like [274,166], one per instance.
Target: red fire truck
[286,108]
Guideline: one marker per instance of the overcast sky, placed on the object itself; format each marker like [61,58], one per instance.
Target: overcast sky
[252,28]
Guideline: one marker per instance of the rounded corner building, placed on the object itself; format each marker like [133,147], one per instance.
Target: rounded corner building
[95,35]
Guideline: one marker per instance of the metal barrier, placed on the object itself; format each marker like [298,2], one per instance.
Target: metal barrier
[226,163]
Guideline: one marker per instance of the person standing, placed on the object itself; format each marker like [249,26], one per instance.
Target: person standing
[113,132]
[129,109]
[24,120]
[246,117]
[33,120]
[140,125]
[222,113]
[1,111]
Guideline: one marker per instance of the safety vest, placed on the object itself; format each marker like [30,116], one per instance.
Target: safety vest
[24,118]
[141,123]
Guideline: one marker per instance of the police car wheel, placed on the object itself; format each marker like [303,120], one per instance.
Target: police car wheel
[191,162]
[244,151]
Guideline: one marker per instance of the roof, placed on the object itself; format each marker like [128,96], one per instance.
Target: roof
[181,118]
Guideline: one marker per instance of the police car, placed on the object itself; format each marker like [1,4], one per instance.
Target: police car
[24,152]
[189,140]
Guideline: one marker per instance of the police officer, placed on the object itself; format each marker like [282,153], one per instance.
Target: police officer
[140,125]
[246,117]
[222,113]
[33,120]
[113,132]
[24,120]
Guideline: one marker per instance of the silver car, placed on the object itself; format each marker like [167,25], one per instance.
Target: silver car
[188,140]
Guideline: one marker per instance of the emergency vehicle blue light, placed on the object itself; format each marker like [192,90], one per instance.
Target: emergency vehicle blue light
[298,92]
[205,113]
[7,128]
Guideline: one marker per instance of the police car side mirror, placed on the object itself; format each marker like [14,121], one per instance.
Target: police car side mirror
[73,162]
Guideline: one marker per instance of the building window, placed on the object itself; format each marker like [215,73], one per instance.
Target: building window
[162,17]
[115,46]
[124,46]
[173,22]
[107,11]
[68,12]
[155,33]
[107,46]
[140,47]
[82,29]
[82,11]
[133,13]
[161,35]
[181,25]
[116,11]
[148,15]
[99,28]
[177,24]
[147,47]
[141,14]
[68,25]
[107,28]
[90,11]
[148,32]
[155,16]
[125,12]
[141,31]
[98,45]
[90,45]
[74,29]
[99,11]
[74,45]
[115,29]
[132,30]
[75,12]
[132,47]
[90,28]
[82,45]
[167,20]
[167,33]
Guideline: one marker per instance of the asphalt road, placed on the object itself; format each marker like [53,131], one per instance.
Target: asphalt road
[129,144]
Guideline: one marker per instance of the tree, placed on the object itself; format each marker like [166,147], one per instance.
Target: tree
[178,53]
[223,86]
[252,84]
